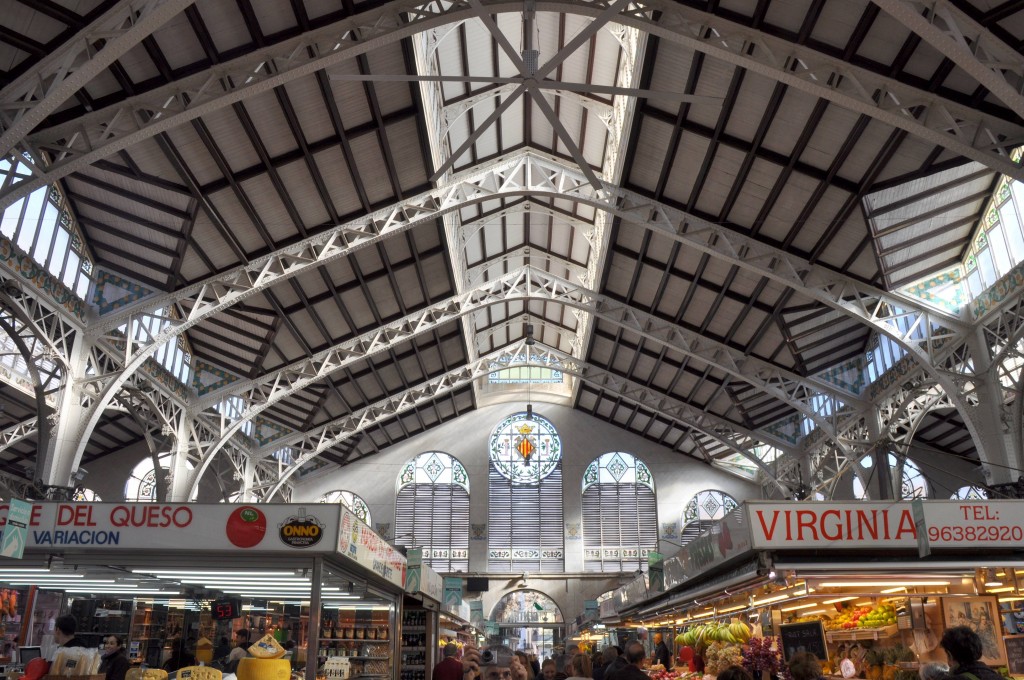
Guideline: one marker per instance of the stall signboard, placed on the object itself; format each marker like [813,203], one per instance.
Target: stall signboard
[607,609]
[590,610]
[476,613]
[725,540]
[1014,653]
[631,594]
[807,636]
[422,579]
[886,525]
[453,591]
[278,528]
[359,543]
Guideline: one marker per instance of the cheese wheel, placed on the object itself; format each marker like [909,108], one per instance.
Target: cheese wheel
[251,668]
[266,648]
[199,673]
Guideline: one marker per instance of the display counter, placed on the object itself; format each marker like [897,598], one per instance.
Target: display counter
[312,575]
[873,582]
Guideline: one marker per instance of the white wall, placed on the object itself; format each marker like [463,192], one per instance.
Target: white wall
[677,478]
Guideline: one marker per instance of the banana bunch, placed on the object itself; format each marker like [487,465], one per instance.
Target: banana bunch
[732,633]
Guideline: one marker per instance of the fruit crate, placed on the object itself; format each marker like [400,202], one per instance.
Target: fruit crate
[862,633]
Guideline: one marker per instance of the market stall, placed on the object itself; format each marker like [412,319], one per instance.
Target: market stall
[312,576]
[871,583]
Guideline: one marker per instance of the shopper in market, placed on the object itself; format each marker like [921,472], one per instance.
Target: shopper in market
[735,673]
[804,666]
[524,660]
[496,663]
[114,661]
[613,661]
[933,671]
[240,650]
[634,657]
[548,669]
[581,668]
[964,647]
[449,667]
[64,632]
[661,653]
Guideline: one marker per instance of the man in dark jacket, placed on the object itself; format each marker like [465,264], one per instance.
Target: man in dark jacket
[613,660]
[64,632]
[634,657]
[661,653]
[963,647]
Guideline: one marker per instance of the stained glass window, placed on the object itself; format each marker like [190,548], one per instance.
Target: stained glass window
[620,514]
[83,495]
[141,484]
[525,450]
[703,509]
[912,481]
[525,530]
[351,501]
[970,493]
[432,510]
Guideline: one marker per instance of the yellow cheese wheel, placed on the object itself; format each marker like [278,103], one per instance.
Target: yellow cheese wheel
[199,673]
[266,648]
[251,668]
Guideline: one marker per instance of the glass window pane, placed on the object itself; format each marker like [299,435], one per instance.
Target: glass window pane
[71,271]
[42,249]
[987,267]
[30,222]
[997,246]
[12,216]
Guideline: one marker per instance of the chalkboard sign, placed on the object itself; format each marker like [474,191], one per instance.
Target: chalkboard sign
[808,636]
[1015,653]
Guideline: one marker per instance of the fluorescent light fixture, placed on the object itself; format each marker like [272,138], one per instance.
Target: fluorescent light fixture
[865,603]
[880,584]
[897,589]
[816,611]
[732,609]
[769,600]
[840,599]
[1011,599]
[1004,589]
[799,606]
[45,575]
[171,593]
[223,573]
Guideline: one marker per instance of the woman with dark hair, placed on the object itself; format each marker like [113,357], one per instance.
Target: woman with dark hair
[963,647]
[804,666]
[735,673]
[114,661]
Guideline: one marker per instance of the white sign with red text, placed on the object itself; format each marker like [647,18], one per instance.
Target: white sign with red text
[360,544]
[185,526]
[879,524]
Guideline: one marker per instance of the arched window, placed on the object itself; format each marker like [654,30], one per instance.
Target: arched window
[620,514]
[970,493]
[524,516]
[141,484]
[521,617]
[702,510]
[83,495]
[432,510]
[351,501]
[912,481]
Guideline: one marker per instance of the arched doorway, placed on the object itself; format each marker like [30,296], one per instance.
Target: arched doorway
[529,620]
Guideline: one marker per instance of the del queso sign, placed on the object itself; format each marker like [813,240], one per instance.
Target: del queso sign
[191,526]
[865,524]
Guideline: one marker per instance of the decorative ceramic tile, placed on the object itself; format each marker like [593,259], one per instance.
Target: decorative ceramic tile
[572,531]
[670,530]
[478,532]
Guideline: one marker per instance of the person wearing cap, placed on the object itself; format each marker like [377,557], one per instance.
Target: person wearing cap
[631,671]
[449,668]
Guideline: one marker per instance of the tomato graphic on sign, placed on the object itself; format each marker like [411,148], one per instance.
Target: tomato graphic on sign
[246,526]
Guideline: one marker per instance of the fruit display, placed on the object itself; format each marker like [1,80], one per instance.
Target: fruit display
[720,656]
[735,632]
[848,619]
[882,615]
